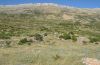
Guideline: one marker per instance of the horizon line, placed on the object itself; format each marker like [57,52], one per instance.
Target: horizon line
[55,4]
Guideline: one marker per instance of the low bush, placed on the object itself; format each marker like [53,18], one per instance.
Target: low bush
[45,34]
[25,41]
[56,57]
[65,36]
[74,38]
[94,39]
[4,35]
[42,28]
[38,37]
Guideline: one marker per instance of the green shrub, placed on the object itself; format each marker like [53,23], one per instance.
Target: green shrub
[74,38]
[25,41]
[56,57]
[43,28]
[70,35]
[65,36]
[4,35]
[93,39]
[45,34]
[38,37]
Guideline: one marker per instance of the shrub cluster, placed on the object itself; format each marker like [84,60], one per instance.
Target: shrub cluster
[25,41]
[74,38]
[38,37]
[94,39]
[67,36]
[5,35]
[43,28]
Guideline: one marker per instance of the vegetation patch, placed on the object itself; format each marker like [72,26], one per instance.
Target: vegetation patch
[25,41]
[67,36]
[94,39]
[38,37]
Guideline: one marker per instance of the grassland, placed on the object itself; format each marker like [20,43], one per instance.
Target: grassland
[66,54]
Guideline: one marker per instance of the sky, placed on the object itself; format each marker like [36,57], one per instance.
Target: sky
[75,3]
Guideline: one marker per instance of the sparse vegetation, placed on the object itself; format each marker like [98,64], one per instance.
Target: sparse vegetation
[38,37]
[56,57]
[74,38]
[45,34]
[44,29]
[4,35]
[8,43]
[19,27]
[25,41]
[65,36]
[94,39]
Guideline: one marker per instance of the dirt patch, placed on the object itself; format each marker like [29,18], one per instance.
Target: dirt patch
[91,61]
[67,17]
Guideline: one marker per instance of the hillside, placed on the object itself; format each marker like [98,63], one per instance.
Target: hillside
[32,17]
[31,34]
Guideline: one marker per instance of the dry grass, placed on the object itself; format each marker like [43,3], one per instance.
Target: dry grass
[42,54]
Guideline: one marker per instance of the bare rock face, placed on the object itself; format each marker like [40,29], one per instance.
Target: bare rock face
[91,61]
